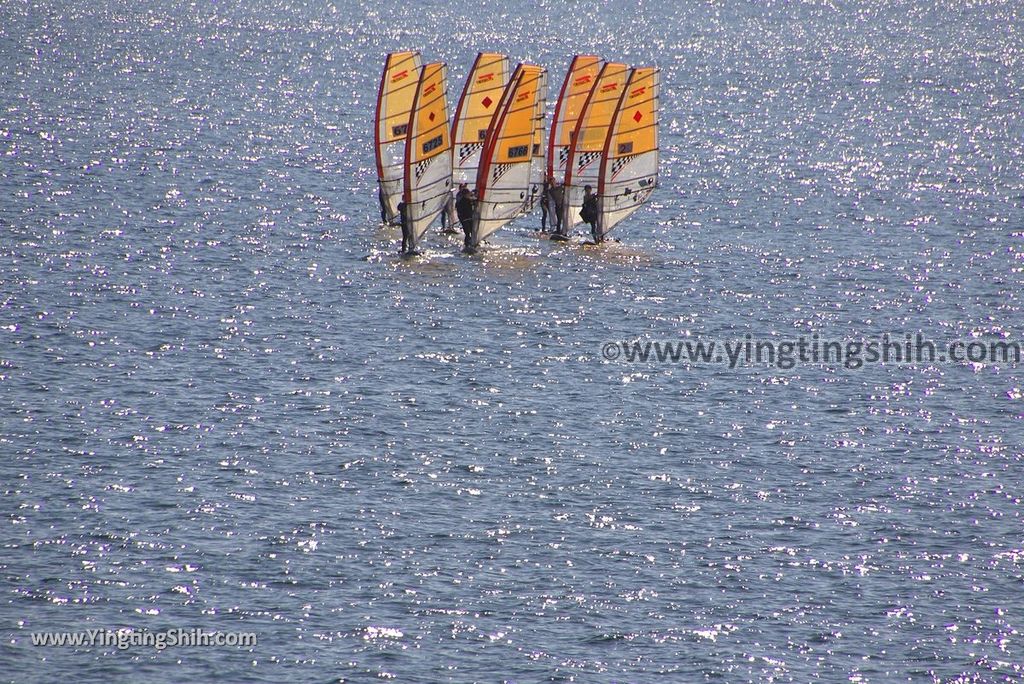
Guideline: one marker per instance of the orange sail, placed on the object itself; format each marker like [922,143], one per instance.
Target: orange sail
[394,104]
[503,180]
[475,113]
[629,163]
[588,138]
[428,151]
[579,80]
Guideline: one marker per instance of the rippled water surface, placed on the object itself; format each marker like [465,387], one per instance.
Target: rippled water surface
[226,404]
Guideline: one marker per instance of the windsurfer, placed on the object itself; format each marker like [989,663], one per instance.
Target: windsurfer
[588,212]
[465,205]
[383,204]
[545,197]
[553,202]
[407,241]
[448,215]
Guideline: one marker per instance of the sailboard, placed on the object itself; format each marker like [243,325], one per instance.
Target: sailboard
[588,139]
[503,179]
[475,112]
[394,104]
[428,152]
[629,162]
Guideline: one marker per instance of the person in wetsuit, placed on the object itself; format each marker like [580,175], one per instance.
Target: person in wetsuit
[465,207]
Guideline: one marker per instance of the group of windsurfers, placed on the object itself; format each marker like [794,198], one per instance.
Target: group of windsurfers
[552,206]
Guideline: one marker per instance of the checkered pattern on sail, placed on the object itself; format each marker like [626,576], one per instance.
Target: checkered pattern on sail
[467,150]
[422,166]
[621,162]
[563,155]
[586,158]
[499,170]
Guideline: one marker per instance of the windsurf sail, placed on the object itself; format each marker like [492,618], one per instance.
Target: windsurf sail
[537,156]
[588,138]
[475,112]
[428,152]
[579,80]
[629,164]
[394,104]
[503,180]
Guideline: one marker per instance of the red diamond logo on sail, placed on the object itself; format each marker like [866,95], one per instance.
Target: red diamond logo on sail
[487,102]
[431,116]
[637,116]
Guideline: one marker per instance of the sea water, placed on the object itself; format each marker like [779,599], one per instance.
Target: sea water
[227,405]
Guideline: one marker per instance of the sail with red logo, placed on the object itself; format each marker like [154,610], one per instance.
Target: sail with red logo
[503,179]
[475,112]
[579,80]
[629,163]
[588,139]
[428,152]
[394,105]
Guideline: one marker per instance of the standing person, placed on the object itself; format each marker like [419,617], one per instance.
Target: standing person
[448,215]
[407,241]
[465,207]
[545,198]
[556,195]
[588,212]
[383,204]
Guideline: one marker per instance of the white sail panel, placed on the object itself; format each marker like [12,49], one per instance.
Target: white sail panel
[538,158]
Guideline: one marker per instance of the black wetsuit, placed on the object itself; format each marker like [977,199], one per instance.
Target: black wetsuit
[557,194]
[588,212]
[407,241]
[464,207]
[383,205]
[545,195]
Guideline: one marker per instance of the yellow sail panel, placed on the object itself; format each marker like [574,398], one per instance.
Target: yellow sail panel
[480,96]
[592,127]
[430,116]
[514,140]
[398,86]
[579,80]
[635,130]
